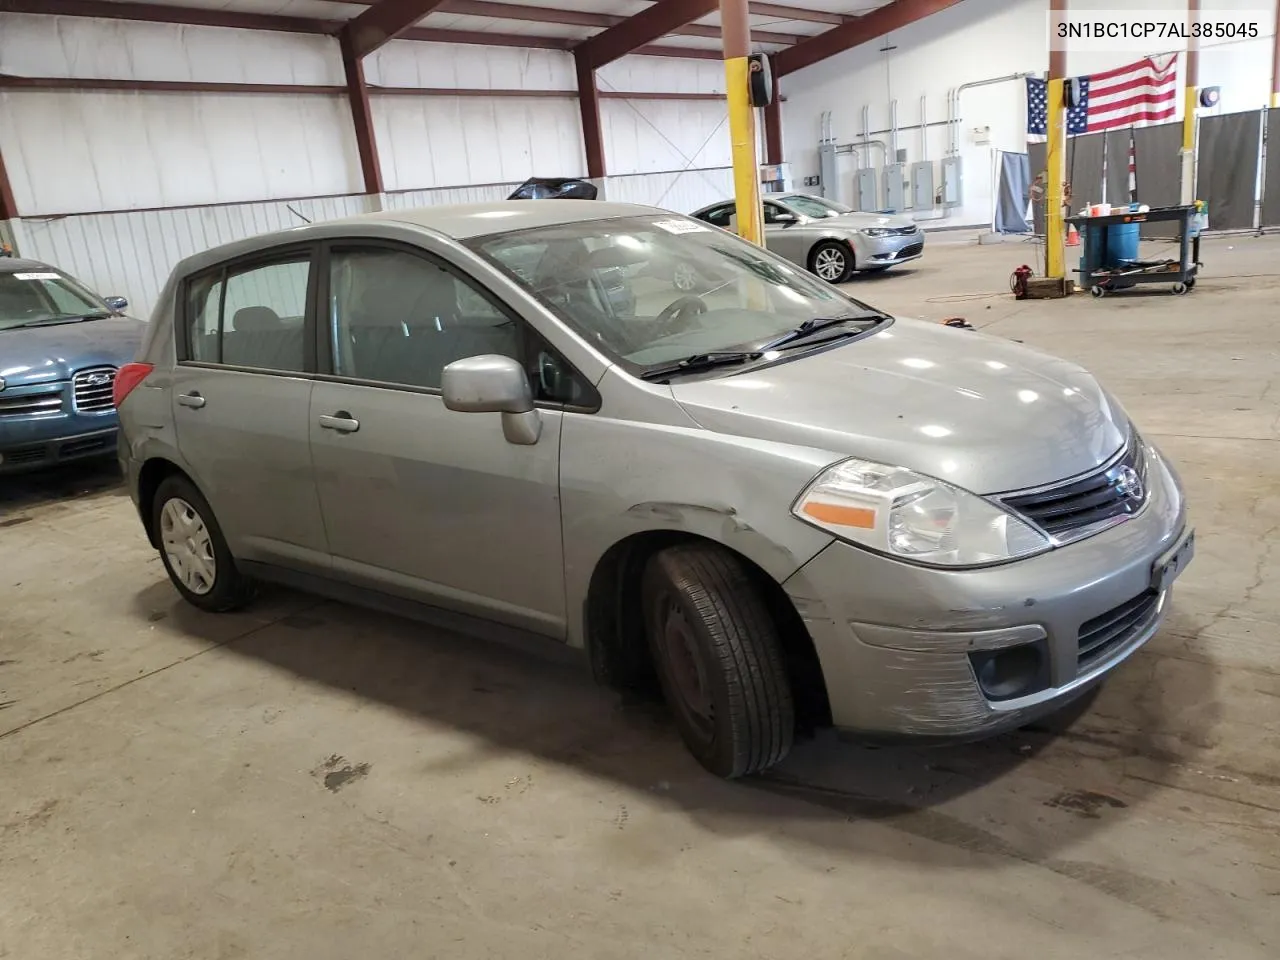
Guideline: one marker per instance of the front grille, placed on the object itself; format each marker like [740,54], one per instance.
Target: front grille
[1103,634]
[1074,509]
[26,454]
[93,388]
[31,404]
[912,250]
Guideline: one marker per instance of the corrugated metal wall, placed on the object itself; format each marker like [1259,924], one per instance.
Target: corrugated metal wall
[130,254]
[158,160]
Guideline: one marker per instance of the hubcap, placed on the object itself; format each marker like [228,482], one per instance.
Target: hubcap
[188,546]
[829,264]
[684,278]
[687,675]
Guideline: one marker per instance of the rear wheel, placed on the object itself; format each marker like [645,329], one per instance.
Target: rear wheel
[719,657]
[193,550]
[832,261]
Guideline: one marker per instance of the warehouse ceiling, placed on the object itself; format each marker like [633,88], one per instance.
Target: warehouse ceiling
[561,24]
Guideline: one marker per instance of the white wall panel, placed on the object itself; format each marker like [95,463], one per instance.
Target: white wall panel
[410,199]
[971,41]
[682,191]
[662,75]
[131,254]
[410,63]
[71,152]
[446,141]
[642,136]
[44,46]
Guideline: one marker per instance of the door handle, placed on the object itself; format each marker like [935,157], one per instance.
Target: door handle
[341,421]
[192,400]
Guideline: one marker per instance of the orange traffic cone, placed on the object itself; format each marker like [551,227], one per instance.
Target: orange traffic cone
[1073,235]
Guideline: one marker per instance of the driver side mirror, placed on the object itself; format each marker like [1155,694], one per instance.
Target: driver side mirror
[118,304]
[786,219]
[494,384]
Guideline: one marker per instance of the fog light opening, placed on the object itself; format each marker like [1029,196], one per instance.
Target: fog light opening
[1012,672]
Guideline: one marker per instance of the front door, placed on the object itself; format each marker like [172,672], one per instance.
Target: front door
[242,395]
[785,239]
[419,500]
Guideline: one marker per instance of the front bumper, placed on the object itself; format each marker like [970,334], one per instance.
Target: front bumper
[872,252]
[896,640]
[34,455]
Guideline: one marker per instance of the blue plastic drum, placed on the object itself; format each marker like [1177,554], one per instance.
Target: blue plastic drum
[1122,243]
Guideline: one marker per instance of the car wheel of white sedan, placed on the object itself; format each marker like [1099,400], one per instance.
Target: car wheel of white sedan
[719,656]
[193,550]
[832,261]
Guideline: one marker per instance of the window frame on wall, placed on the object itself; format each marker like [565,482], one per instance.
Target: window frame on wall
[530,340]
[219,274]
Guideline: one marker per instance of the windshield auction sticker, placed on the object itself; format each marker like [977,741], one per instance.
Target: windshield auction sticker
[679,226]
[37,276]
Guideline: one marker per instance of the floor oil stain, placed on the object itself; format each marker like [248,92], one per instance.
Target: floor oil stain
[1085,803]
[336,773]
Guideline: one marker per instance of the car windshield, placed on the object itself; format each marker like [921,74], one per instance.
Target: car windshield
[41,295]
[653,290]
[816,207]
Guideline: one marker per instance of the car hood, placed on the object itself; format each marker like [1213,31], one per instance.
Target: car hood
[47,354]
[859,221]
[978,411]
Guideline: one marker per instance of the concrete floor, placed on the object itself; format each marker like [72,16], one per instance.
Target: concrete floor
[311,780]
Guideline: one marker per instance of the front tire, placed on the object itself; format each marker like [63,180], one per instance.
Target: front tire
[193,549]
[832,261]
[719,656]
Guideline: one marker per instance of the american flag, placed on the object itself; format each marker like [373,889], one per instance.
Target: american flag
[1141,92]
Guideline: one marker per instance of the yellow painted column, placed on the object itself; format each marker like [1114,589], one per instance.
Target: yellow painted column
[1055,254]
[1190,103]
[742,138]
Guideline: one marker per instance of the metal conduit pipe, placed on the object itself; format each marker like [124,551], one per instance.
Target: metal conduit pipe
[954,102]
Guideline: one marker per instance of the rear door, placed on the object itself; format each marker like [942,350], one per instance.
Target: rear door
[242,395]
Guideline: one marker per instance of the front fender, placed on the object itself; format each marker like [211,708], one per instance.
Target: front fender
[619,478]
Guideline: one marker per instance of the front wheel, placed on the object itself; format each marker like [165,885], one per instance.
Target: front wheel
[832,261]
[193,550]
[719,656]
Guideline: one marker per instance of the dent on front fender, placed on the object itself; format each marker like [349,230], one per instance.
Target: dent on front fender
[620,478]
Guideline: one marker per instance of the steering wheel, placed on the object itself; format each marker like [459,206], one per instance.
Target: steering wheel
[677,310]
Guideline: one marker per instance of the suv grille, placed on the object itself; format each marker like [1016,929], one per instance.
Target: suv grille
[31,404]
[93,389]
[1101,635]
[1077,508]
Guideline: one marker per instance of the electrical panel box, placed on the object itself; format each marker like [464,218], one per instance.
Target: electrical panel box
[922,189]
[827,183]
[864,190]
[952,181]
[895,187]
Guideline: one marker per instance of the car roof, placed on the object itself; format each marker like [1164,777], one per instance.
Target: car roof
[461,221]
[14,265]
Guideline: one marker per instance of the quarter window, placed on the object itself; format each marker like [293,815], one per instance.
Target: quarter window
[251,316]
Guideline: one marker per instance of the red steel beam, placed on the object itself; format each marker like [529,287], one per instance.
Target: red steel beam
[875,24]
[8,206]
[589,106]
[384,21]
[155,13]
[361,115]
[588,18]
[793,13]
[645,27]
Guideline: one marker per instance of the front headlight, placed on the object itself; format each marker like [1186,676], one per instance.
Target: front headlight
[903,514]
[876,231]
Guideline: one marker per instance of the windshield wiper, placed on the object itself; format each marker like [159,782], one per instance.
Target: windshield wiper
[812,326]
[701,361]
[61,318]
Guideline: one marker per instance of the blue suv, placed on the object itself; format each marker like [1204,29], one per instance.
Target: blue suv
[60,348]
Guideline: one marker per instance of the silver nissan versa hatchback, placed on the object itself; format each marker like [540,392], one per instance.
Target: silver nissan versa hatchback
[789,509]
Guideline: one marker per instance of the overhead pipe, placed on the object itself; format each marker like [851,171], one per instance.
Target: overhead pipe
[954,100]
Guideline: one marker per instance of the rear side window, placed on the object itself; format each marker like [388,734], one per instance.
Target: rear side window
[251,316]
[720,215]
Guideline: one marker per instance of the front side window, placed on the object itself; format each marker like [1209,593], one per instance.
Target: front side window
[251,316]
[612,282]
[817,207]
[43,297]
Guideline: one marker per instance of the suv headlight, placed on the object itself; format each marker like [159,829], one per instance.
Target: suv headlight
[876,231]
[903,514]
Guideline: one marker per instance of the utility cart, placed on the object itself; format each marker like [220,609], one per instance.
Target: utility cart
[1110,257]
